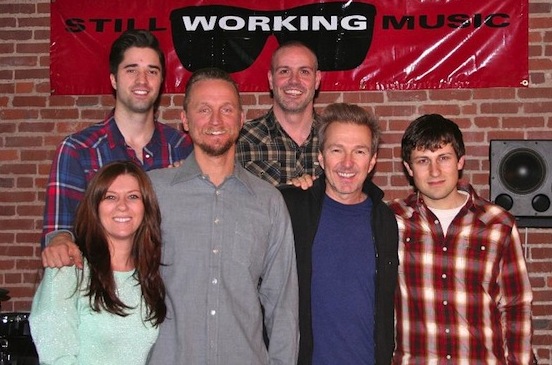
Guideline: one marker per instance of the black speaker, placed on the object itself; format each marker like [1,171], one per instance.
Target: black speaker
[521,180]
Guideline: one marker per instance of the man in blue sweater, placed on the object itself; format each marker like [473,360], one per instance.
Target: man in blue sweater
[346,246]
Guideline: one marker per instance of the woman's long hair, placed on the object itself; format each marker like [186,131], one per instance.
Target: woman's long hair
[146,252]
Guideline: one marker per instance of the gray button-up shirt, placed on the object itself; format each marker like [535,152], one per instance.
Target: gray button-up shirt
[227,251]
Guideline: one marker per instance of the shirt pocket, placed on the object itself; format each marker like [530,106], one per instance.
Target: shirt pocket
[249,246]
[267,170]
[479,260]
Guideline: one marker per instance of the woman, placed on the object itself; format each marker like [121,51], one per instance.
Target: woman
[108,313]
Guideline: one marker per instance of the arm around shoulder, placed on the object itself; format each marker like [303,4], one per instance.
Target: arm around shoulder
[61,251]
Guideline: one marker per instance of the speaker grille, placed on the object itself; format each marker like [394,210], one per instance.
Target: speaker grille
[521,179]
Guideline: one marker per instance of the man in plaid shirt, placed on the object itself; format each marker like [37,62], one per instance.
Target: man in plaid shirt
[130,132]
[283,144]
[464,295]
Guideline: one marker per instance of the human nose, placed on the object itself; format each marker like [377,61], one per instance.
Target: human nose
[122,204]
[141,77]
[434,168]
[216,117]
[348,160]
[294,76]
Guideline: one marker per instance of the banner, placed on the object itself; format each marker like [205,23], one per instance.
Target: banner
[361,45]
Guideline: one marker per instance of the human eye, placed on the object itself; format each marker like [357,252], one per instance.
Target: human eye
[109,196]
[445,158]
[305,72]
[228,109]
[203,110]
[153,71]
[135,196]
[421,161]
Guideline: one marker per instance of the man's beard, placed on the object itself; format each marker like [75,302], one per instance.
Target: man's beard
[292,106]
[218,150]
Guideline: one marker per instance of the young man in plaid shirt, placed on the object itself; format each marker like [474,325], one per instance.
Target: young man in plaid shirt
[130,132]
[463,295]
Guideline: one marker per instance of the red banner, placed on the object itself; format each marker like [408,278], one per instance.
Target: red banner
[361,45]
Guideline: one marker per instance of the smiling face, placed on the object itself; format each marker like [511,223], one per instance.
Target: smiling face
[347,159]
[213,117]
[435,175]
[293,79]
[138,80]
[121,210]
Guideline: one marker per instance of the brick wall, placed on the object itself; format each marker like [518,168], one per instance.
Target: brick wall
[32,123]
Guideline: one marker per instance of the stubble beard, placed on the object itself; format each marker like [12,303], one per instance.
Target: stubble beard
[142,106]
[292,107]
[216,150]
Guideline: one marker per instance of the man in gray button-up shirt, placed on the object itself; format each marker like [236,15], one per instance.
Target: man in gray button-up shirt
[228,245]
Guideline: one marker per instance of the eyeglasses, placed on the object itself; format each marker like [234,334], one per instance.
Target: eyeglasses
[231,38]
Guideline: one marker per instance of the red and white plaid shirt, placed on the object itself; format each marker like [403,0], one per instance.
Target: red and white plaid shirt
[463,298]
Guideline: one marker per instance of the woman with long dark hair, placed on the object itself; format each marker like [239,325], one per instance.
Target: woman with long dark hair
[109,312]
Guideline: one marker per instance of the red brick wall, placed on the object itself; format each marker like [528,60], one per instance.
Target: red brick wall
[32,123]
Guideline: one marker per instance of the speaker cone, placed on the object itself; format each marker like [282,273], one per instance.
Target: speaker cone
[522,171]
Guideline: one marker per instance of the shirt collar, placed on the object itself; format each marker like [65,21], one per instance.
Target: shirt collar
[275,128]
[116,138]
[191,170]
[112,132]
[474,203]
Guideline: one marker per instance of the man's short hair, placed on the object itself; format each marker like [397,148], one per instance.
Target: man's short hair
[351,114]
[431,132]
[290,44]
[134,38]
[209,73]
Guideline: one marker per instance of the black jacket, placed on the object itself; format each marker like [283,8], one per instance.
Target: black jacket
[305,207]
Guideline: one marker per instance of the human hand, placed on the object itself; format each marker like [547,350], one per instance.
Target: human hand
[304,182]
[62,251]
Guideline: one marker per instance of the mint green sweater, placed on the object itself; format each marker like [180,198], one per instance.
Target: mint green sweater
[67,331]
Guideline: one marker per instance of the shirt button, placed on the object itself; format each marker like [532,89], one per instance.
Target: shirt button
[213,312]
[407,239]
[449,357]
[215,251]
[214,281]
[483,248]
[147,155]
[436,221]
[447,330]
[444,276]
[445,303]
[217,220]
[217,192]
[445,249]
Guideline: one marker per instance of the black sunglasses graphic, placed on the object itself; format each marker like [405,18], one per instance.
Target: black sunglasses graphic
[231,38]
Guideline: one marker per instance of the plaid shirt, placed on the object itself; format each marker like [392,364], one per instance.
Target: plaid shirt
[80,155]
[268,152]
[464,298]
